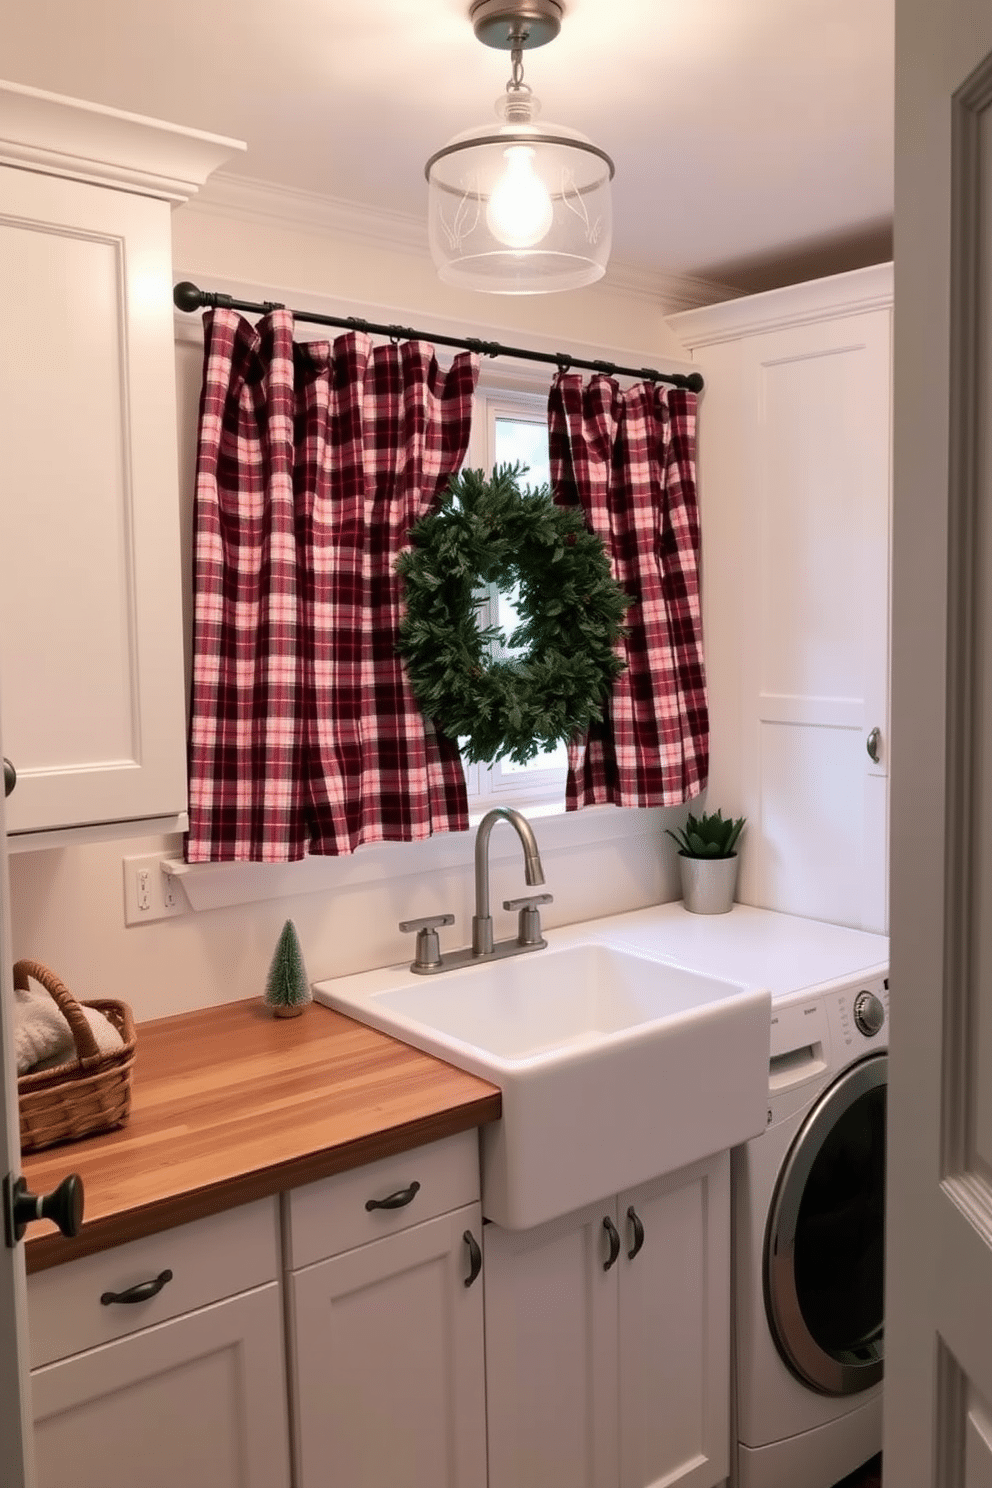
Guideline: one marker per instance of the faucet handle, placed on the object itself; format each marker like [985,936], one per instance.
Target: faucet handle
[427,956]
[529,923]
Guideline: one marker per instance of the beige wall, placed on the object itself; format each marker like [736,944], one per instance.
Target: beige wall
[297,263]
[67,904]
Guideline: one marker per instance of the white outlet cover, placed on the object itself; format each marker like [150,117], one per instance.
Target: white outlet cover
[165,898]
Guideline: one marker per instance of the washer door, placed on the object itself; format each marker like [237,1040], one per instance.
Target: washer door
[825,1244]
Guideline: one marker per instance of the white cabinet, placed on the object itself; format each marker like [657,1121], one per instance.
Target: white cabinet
[794,482]
[91,638]
[386,1330]
[185,1385]
[604,1371]
[374,1339]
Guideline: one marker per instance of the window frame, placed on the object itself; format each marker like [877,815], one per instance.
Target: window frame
[536,788]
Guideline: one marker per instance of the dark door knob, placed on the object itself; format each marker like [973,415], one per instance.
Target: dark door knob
[63,1206]
[9,776]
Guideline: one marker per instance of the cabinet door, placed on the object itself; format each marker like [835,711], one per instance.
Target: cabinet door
[90,590]
[675,1329]
[197,1401]
[794,473]
[551,1353]
[818,675]
[388,1371]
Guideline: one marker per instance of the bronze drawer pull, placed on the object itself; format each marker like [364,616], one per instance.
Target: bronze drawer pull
[397,1200]
[614,1235]
[638,1229]
[474,1257]
[142,1292]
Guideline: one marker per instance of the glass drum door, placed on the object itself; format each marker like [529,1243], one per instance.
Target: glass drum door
[824,1249]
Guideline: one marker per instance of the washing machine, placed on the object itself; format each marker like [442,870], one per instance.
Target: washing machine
[809,1207]
[808,1192]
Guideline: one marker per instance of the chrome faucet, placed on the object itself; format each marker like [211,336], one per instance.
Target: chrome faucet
[428,958]
[482,924]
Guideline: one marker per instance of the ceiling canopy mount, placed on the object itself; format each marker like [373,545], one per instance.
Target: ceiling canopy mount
[529,23]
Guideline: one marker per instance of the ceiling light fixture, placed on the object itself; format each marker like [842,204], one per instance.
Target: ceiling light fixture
[520,207]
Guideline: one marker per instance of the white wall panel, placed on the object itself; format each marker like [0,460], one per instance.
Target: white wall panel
[811,838]
[812,518]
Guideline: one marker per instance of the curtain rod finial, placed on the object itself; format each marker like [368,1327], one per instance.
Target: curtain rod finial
[187,297]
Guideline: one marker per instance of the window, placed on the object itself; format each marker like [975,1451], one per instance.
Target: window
[507,429]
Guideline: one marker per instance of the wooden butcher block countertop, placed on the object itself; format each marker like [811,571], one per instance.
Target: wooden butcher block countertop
[230,1104]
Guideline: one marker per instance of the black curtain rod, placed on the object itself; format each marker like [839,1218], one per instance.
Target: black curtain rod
[188,297]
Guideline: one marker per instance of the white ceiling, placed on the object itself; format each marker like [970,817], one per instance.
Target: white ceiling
[752,138]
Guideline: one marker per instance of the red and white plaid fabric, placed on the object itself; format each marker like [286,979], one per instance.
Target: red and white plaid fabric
[315,459]
[628,459]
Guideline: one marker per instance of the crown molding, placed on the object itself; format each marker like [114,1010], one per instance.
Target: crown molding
[672,293]
[88,142]
[247,199]
[854,293]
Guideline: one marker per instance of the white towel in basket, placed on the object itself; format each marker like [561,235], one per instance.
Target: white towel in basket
[42,1036]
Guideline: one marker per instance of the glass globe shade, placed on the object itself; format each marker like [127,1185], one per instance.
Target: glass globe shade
[520,208]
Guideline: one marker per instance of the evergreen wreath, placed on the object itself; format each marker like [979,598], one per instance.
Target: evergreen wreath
[571,611]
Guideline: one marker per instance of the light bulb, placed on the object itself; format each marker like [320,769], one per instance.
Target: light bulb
[519,213]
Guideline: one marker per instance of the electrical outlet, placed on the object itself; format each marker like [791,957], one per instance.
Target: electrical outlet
[150,894]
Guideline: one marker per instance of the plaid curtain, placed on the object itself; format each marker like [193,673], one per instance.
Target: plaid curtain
[628,459]
[314,461]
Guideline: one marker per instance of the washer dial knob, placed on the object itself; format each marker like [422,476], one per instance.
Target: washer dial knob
[869,1013]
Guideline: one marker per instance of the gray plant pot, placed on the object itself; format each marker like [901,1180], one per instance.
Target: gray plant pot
[708,884]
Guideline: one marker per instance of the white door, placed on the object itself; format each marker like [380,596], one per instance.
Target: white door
[552,1351]
[16,1457]
[674,1278]
[815,657]
[389,1361]
[89,531]
[938,1390]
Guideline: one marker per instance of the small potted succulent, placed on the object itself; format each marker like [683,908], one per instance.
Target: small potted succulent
[707,847]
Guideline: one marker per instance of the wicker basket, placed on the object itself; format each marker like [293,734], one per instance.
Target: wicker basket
[91,1094]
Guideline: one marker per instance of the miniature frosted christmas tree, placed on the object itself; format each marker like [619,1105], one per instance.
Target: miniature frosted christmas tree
[287,990]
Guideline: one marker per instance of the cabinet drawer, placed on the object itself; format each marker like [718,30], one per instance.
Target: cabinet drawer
[325,1218]
[198,1401]
[209,1259]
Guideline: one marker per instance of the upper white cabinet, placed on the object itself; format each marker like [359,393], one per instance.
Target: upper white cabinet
[92,694]
[794,479]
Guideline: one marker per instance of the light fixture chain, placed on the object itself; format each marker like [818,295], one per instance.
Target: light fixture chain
[516,83]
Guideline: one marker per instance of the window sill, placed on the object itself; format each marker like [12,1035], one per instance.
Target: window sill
[221,885]
[532,810]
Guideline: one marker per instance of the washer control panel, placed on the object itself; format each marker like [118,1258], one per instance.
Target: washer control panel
[860,1013]
[869,1013]
[814,1037]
